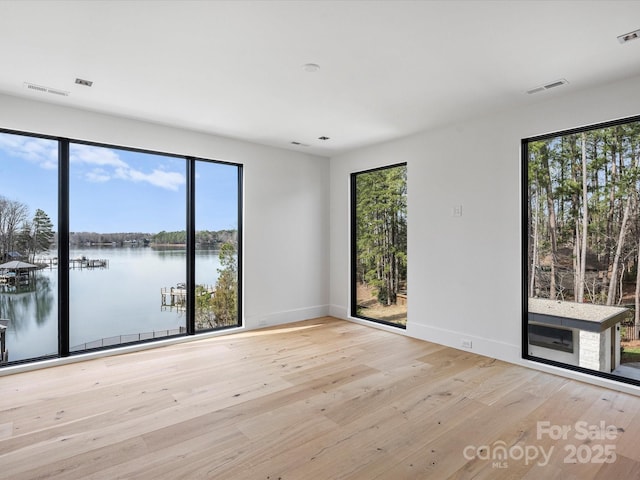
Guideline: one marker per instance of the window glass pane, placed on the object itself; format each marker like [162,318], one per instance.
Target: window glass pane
[379,223]
[28,249]
[216,268]
[583,240]
[127,246]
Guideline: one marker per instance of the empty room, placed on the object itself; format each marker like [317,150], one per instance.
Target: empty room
[319,239]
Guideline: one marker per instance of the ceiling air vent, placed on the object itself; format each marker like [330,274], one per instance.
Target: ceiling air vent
[548,86]
[40,88]
[627,37]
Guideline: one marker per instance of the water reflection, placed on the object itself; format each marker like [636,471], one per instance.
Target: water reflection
[120,301]
[45,300]
[30,309]
[37,298]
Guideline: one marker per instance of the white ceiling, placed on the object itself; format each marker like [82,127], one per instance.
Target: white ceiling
[387,68]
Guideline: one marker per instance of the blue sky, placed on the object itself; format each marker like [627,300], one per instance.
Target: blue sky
[114,190]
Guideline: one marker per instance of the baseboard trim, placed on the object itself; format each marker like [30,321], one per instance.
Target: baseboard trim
[286,316]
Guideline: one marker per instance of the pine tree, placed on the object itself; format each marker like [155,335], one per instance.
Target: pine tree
[381,223]
[42,232]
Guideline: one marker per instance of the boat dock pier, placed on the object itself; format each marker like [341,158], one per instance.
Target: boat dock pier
[78,262]
[177,296]
[174,296]
[84,262]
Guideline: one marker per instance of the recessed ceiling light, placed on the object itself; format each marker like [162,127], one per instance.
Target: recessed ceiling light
[311,67]
[627,37]
[86,83]
[323,138]
[547,86]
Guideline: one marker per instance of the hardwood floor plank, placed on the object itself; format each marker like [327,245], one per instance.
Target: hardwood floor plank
[320,399]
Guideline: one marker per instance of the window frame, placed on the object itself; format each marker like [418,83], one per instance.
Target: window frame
[524,267]
[354,248]
[189,216]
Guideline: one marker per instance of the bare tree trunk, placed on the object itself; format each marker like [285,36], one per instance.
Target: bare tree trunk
[621,284]
[552,227]
[616,259]
[637,303]
[534,254]
[576,176]
[576,254]
[621,236]
[577,244]
[613,178]
[585,223]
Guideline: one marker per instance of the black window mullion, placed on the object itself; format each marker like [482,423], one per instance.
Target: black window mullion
[354,247]
[63,248]
[239,248]
[191,246]
[524,212]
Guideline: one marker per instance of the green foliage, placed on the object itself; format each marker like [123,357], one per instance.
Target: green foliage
[629,354]
[42,232]
[225,298]
[203,237]
[205,318]
[219,308]
[170,238]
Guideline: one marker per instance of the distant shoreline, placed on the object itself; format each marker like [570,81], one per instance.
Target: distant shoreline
[215,246]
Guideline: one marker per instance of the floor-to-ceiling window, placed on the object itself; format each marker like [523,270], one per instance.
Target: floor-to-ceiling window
[217,285]
[28,246]
[127,246]
[148,245]
[379,245]
[581,220]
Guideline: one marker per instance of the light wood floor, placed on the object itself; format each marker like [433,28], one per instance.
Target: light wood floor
[322,399]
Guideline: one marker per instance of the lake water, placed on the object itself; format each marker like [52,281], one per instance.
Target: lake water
[121,300]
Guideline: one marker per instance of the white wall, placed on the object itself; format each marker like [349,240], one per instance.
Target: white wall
[464,273]
[286,202]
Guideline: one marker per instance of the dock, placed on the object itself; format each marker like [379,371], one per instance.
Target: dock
[79,262]
[177,296]
[46,262]
[17,273]
[174,296]
[84,262]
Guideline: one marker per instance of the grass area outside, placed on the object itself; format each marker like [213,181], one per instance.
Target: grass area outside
[630,354]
